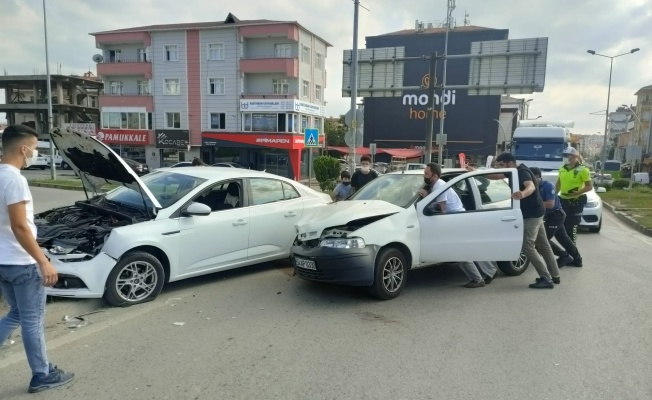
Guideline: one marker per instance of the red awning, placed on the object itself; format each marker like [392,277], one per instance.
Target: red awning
[360,150]
[407,153]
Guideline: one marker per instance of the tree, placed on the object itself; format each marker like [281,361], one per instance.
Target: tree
[335,131]
[327,171]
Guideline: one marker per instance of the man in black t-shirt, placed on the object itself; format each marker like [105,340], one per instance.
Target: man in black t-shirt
[364,175]
[535,240]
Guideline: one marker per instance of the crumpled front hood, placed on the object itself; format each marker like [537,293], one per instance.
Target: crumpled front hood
[96,164]
[343,212]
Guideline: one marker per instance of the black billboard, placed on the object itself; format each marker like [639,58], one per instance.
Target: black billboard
[172,139]
[468,120]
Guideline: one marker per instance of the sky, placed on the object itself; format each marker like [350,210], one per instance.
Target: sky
[576,82]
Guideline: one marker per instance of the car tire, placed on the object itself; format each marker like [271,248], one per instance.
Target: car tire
[149,271]
[64,165]
[42,168]
[514,268]
[596,229]
[390,273]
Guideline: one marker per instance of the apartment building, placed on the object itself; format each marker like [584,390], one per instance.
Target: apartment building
[224,91]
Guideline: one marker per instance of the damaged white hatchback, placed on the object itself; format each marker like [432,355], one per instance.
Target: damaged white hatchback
[169,225]
[373,238]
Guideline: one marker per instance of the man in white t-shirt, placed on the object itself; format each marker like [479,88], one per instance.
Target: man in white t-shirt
[450,202]
[25,270]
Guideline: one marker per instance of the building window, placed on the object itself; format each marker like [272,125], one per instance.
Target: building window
[305,89]
[281,86]
[304,123]
[317,123]
[283,50]
[115,55]
[173,120]
[216,85]
[142,55]
[319,61]
[216,51]
[305,54]
[144,88]
[124,120]
[218,120]
[115,88]
[291,125]
[246,123]
[171,52]
[172,87]
[318,92]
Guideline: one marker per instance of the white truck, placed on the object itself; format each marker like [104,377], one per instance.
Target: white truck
[541,143]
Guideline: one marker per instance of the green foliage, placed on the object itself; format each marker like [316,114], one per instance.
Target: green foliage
[327,172]
[335,131]
[620,183]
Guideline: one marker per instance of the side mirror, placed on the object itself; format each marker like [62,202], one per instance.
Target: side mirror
[196,209]
[601,190]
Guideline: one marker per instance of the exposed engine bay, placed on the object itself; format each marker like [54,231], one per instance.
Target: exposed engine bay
[82,228]
[341,231]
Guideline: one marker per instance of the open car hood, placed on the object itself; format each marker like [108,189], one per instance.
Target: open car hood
[96,164]
[343,212]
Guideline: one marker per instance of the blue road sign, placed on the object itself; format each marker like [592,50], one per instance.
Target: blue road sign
[311,138]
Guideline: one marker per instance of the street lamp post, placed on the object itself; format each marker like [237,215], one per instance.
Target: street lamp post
[606,121]
[53,167]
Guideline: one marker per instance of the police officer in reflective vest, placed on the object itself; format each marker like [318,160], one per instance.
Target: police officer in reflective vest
[573,184]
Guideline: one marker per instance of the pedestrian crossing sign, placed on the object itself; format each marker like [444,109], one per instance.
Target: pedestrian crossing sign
[311,138]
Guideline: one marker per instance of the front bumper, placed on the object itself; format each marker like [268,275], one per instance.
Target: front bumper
[591,217]
[80,279]
[353,267]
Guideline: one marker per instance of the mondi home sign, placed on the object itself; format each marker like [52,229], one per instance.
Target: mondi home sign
[172,139]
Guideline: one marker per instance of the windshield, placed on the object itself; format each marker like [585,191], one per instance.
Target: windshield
[399,189]
[167,187]
[539,149]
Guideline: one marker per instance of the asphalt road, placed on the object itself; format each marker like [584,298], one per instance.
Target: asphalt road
[260,333]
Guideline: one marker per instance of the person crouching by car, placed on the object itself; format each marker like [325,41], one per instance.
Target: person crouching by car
[364,175]
[196,162]
[343,189]
[553,222]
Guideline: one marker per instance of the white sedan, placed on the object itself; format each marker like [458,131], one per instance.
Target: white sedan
[373,238]
[169,225]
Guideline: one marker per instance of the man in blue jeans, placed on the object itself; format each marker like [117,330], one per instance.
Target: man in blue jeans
[25,271]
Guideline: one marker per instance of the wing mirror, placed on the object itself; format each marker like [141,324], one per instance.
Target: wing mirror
[601,190]
[196,209]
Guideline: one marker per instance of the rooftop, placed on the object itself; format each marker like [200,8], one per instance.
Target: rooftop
[79,80]
[435,31]
[643,89]
[230,21]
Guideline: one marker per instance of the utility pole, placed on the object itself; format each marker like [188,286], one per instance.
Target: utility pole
[354,83]
[431,107]
[449,12]
[53,167]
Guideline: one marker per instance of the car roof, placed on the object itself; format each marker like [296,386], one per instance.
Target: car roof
[420,171]
[220,173]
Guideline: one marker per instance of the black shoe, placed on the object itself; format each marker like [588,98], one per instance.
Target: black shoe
[542,284]
[55,378]
[556,280]
[565,260]
[488,279]
[577,263]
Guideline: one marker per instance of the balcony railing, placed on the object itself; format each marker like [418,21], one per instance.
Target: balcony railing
[134,60]
[269,95]
[140,93]
[267,56]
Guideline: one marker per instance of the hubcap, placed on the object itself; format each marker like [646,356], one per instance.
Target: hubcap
[393,273]
[136,281]
[520,263]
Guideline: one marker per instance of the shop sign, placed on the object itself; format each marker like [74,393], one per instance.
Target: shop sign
[83,127]
[172,139]
[282,106]
[121,136]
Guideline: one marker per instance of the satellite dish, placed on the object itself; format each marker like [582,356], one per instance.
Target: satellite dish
[98,58]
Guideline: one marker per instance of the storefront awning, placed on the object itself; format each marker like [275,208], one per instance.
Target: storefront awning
[359,150]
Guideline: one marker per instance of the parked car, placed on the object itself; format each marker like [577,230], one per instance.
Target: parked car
[139,168]
[228,164]
[373,238]
[165,226]
[182,164]
[607,179]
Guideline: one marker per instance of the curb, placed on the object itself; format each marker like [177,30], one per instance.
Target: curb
[626,219]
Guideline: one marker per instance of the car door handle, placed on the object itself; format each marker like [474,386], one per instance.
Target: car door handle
[240,222]
[508,219]
[290,214]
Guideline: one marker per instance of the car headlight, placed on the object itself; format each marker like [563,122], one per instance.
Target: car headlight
[593,204]
[60,247]
[353,243]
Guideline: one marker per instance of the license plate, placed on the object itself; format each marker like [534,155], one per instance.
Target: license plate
[305,264]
